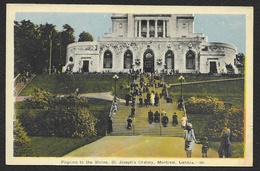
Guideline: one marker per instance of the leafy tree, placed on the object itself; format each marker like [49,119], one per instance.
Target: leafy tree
[240,60]
[67,37]
[33,45]
[48,36]
[25,46]
[22,143]
[85,36]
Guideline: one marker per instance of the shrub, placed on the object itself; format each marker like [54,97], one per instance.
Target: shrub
[219,116]
[232,118]
[61,117]
[202,106]
[22,143]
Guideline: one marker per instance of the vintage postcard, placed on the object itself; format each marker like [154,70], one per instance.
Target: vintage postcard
[120,85]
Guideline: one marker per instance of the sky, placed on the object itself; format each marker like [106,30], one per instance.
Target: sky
[227,28]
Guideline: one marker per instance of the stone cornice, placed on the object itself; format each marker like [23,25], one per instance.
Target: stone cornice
[152,15]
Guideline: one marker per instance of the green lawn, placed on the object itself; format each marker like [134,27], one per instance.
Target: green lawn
[173,79]
[67,84]
[228,91]
[56,147]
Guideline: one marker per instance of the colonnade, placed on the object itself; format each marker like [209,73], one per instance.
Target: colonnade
[138,28]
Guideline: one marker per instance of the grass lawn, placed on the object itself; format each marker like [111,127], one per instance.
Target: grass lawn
[56,147]
[67,84]
[173,79]
[228,91]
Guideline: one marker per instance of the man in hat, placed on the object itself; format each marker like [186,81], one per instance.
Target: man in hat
[156,116]
[109,125]
[129,122]
[225,146]
[165,120]
[174,119]
[150,116]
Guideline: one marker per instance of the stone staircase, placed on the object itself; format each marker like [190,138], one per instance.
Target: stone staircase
[141,126]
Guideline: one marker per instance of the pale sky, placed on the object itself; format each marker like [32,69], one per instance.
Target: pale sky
[217,27]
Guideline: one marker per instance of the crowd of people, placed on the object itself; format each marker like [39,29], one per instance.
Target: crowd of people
[113,110]
[151,98]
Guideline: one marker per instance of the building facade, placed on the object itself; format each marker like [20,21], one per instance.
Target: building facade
[152,43]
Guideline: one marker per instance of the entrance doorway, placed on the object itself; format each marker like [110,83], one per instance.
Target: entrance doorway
[148,65]
[85,67]
[213,67]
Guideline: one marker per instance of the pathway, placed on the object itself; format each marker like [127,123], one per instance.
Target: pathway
[138,146]
[141,126]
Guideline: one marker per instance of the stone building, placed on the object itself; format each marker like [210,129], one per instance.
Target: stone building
[152,43]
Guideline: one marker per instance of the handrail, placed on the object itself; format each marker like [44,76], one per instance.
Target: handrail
[111,112]
[16,79]
[24,85]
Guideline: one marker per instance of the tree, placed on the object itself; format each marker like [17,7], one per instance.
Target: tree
[22,143]
[66,37]
[48,36]
[85,36]
[25,46]
[240,59]
[36,45]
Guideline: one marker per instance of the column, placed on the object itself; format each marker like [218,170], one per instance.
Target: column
[147,30]
[140,28]
[136,29]
[156,31]
[167,28]
[163,28]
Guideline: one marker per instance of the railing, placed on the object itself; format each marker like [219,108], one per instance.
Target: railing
[20,84]
[17,79]
[113,110]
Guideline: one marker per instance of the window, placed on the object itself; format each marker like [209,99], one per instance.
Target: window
[128,59]
[190,60]
[108,60]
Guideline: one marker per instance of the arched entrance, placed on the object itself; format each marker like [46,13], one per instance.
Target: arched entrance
[148,65]
[169,60]
[128,59]
[190,60]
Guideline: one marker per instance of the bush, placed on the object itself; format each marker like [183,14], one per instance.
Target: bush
[62,117]
[219,116]
[202,106]
[22,143]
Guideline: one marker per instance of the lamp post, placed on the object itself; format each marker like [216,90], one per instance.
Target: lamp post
[181,79]
[60,62]
[50,37]
[115,78]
